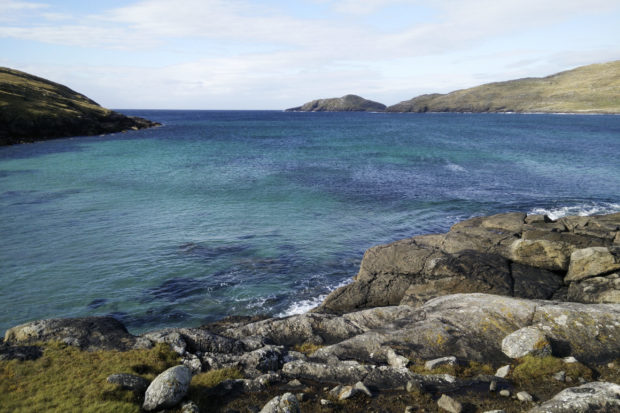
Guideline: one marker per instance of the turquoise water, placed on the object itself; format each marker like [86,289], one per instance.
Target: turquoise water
[220,213]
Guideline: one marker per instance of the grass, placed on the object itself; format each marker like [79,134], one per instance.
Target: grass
[66,379]
[534,369]
[307,348]
[471,369]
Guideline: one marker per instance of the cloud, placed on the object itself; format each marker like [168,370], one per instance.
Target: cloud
[12,10]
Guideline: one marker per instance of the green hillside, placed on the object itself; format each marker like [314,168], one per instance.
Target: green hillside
[32,108]
[348,103]
[587,89]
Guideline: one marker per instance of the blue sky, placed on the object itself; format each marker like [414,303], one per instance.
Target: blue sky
[273,54]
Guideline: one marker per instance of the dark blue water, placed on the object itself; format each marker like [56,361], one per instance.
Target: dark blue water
[221,213]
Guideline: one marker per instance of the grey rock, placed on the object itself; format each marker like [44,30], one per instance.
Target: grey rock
[448,404]
[325,402]
[396,360]
[503,371]
[560,376]
[409,409]
[169,336]
[88,333]
[524,396]
[192,362]
[413,385]
[493,386]
[592,261]
[131,382]
[339,372]
[190,407]
[202,340]
[442,361]
[526,340]
[168,389]
[504,393]
[603,289]
[268,358]
[286,403]
[362,388]
[294,383]
[590,397]
[569,360]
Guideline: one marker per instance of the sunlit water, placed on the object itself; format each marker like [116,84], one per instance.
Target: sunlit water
[220,213]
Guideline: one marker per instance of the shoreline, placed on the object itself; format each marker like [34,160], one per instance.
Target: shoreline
[502,290]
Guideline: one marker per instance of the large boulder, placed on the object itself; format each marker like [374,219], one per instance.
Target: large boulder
[509,254]
[168,389]
[89,333]
[286,403]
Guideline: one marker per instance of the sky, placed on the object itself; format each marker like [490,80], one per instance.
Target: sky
[275,54]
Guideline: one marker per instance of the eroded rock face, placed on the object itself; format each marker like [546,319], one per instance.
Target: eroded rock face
[168,389]
[509,254]
[590,397]
[89,333]
[286,403]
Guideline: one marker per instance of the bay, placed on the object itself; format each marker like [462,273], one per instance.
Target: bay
[264,212]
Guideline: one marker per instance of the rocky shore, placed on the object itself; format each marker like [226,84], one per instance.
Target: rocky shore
[503,313]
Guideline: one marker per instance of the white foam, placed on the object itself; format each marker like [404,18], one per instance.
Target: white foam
[455,168]
[580,209]
[303,306]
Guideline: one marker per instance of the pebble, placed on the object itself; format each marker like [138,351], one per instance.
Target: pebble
[524,396]
[560,376]
[413,386]
[443,361]
[295,383]
[504,393]
[409,409]
[569,359]
[493,386]
[503,371]
[325,402]
[447,403]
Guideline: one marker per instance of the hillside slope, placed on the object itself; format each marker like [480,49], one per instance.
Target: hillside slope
[33,108]
[587,89]
[348,103]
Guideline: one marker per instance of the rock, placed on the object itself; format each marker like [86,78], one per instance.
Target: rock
[348,103]
[541,253]
[443,361]
[590,397]
[169,336]
[339,372]
[325,402]
[413,385]
[294,383]
[395,360]
[503,371]
[202,340]
[20,353]
[168,389]
[88,333]
[131,382]
[526,340]
[268,358]
[190,407]
[409,409]
[362,388]
[447,403]
[569,359]
[524,396]
[494,411]
[592,261]
[560,376]
[192,362]
[286,403]
[604,289]
[493,386]
[504,393]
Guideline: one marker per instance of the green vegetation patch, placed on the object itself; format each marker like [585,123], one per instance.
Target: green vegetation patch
[534,369]
[66,379]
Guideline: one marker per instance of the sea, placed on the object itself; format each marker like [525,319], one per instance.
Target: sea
[221,213]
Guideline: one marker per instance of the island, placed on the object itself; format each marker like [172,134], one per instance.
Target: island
[347,103]
[34,109]
[509,312]
[587,89]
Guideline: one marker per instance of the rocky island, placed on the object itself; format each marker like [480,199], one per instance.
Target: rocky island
[348,103]
[504,313]
[33,109]
[586,89]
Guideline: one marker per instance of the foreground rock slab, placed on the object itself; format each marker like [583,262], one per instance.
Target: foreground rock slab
[590,397]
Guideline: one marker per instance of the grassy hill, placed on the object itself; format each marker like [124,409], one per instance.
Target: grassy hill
[587,89]
[33,108]
[348,103]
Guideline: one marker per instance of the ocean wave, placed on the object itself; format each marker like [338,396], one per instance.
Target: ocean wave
[455,167]
[305,305]
[585,209]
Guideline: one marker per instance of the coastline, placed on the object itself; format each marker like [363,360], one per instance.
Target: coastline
[478,293]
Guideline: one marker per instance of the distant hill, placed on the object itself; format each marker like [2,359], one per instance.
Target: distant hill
[587,89]
[348,103]
[33,108]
